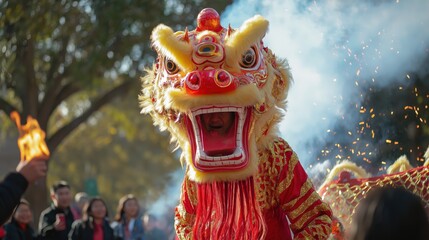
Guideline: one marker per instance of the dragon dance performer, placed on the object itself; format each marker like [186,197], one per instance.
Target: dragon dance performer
[221,94]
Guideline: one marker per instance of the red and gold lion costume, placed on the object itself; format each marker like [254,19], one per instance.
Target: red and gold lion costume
[242,180]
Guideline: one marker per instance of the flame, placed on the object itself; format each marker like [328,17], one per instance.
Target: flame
[31,141]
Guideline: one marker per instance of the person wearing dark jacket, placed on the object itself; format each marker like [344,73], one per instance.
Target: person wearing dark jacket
[14,185]
[56,221]
[94,224]
[19,227]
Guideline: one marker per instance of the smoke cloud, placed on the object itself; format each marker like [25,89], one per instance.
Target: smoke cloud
[330,46]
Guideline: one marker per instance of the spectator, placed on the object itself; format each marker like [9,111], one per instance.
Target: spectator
[81,198]
[151,229]
[14,185]
[55,221]
[128,225]
[390,213]
[19,227]
[94,224]
[2,232]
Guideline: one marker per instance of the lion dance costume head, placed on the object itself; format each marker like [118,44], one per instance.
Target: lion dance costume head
[220,93]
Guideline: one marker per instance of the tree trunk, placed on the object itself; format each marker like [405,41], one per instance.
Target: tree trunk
[37,196]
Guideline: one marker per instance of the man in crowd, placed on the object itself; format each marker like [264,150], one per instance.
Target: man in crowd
[55,221]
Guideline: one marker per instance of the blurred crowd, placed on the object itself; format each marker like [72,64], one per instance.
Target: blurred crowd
[86,217]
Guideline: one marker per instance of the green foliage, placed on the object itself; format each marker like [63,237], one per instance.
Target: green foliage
[121,150]
[63,61]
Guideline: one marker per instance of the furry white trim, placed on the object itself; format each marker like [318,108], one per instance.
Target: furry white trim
[345,165]
[400,165]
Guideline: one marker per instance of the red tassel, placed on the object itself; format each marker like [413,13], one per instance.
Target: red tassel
[228,210]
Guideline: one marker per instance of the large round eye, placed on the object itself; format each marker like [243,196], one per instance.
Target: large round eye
[171,67]
[249,59]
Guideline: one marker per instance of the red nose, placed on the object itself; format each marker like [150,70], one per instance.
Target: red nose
[210,82]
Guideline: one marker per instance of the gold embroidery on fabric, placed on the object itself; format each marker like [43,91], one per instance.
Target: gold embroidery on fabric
[325,227]
[307,215]
[304,189]
[272,161]
[317,231]
[304,206]
[183,223]
[287,181]
[191,189]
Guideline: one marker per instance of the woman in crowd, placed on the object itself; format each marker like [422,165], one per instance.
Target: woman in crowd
[94,224]
[128,225]
[19,227]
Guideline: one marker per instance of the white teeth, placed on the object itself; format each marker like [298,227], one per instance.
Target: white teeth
[197,112]
[237,153]
[201,157]
[221,163]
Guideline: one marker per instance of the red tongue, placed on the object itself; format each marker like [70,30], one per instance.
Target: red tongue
[216,144]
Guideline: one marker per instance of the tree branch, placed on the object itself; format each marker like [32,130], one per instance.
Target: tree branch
[63,132]
[53,82]
[65,92]
[55,79]
[57,59]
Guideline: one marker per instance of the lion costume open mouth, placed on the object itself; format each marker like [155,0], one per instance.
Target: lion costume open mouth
[216,150]
[214,71]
